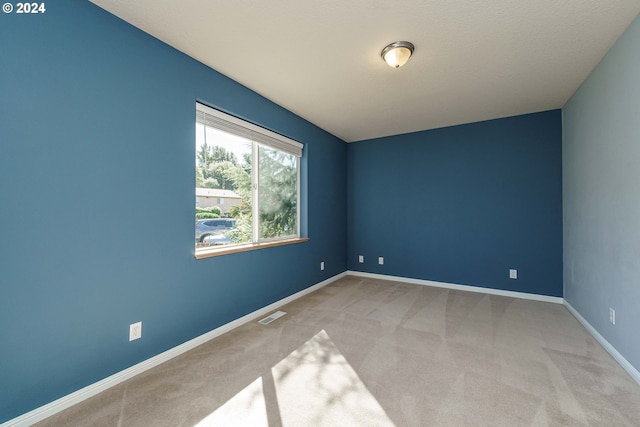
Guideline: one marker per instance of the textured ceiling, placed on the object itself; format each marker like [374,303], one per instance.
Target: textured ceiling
[474,60]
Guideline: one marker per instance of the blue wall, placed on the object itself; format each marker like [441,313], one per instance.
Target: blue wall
[462,204]
[601,184]
[97,203]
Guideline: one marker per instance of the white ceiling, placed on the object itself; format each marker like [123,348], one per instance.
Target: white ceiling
[474,60]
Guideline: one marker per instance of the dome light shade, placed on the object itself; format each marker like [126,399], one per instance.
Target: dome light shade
[397,53]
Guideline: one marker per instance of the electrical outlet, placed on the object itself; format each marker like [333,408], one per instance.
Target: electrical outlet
[135,331]
[380,260]
[361,259]
[513,274]
[322,265]
[612,316]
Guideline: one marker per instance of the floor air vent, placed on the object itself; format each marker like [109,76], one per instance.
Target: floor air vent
[271,318]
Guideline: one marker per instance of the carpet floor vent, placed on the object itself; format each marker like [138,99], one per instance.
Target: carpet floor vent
[272,317]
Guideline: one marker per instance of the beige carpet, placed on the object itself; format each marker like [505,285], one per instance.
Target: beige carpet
[363,352]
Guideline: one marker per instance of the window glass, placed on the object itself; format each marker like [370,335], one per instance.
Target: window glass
[277,196]
[243,172]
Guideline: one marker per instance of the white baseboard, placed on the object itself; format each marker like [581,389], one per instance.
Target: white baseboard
[65,402]
[633,372]
[69,400]
[512,294]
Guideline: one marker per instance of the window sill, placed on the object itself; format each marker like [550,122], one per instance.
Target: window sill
[211,252]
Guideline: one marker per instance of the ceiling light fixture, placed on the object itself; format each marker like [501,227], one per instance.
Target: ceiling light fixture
[397,53]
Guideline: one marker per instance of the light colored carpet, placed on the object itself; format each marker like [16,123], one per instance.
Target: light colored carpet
[362,352]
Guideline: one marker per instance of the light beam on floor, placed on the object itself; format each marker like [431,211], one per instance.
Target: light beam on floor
[314,385]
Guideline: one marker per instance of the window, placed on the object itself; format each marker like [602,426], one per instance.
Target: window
[260,171]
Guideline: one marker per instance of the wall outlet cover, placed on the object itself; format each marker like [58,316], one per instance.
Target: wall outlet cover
[135,331]
[513,274]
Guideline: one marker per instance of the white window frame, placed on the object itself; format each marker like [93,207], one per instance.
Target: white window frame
[208,116]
